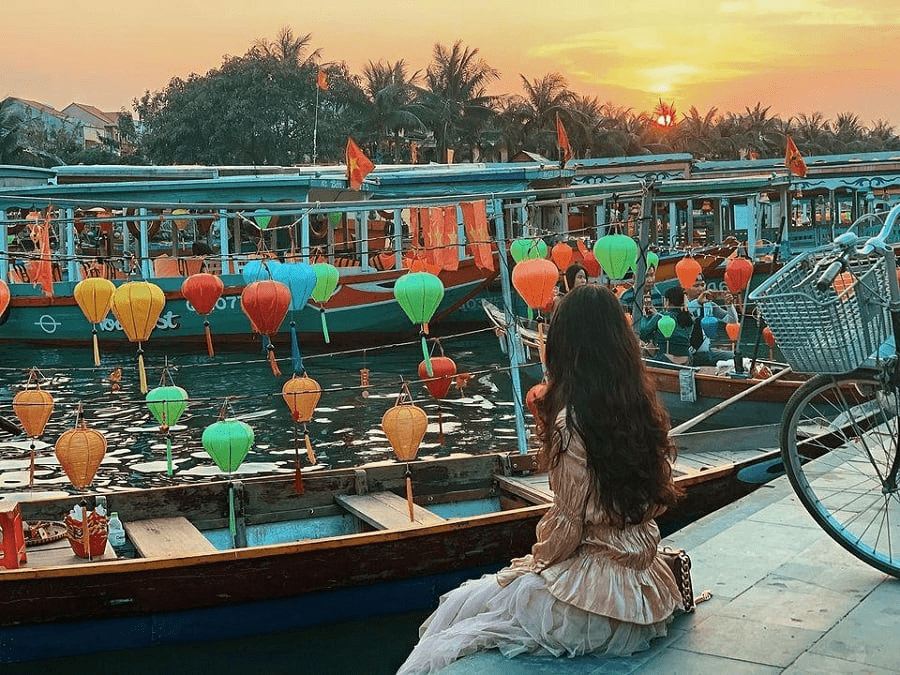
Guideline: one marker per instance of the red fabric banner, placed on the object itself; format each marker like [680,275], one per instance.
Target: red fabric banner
[477,235]
[562,140]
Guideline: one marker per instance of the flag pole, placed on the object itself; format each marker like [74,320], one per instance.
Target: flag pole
[316,123]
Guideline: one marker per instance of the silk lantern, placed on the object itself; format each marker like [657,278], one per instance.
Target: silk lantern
[527,249]
[80,451]
[616,253]
[687,270]
[263,218]
[259,269]
[266,303]
[734,333]
[531,398]
[769,338]
[535,280]
[710,326]
[405,425]
[4,296]
[666,326]
[327,277]
[590,264]
[203,291]
[167,404]
[228,441]
[652,259]
[444,371]
[301,279]
[738,273]
[561,255]
[301,394]
[419,295]
[94,296]
[137,306]
[33,407]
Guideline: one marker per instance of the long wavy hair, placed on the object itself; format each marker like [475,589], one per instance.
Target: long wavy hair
[595,374]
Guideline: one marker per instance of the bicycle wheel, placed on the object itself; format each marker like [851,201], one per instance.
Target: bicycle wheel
[839,442]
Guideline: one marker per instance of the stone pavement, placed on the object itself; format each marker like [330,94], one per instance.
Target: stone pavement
[786,599]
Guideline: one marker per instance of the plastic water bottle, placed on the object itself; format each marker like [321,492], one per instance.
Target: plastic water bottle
[116,532]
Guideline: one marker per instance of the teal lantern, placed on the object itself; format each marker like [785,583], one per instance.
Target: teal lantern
[527,249]
[326,282]
[228,441]
[710,326]
[616,253]
[259,270]
[301,279]
[419,294]
[167,403]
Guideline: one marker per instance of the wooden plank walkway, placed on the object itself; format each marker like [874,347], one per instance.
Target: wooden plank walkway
[786,599]
[166,537]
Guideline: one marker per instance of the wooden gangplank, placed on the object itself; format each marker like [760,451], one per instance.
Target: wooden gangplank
[386,510]
[166,537]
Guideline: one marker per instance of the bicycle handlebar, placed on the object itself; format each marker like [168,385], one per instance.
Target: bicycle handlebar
[829,274]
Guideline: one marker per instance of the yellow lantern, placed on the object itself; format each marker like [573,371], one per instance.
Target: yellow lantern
[301,394]
[80,451]
[137,306]
[405,425]
[94,296]
[33,407]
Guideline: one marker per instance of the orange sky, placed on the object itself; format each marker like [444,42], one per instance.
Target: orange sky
[794,56]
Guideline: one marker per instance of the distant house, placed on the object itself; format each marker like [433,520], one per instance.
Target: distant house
[33,112]
[99,129]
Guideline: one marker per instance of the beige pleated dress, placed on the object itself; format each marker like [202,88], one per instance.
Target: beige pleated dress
[586,587]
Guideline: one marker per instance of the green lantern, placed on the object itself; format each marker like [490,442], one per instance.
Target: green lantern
[419,294]
[616,253]
[652,260]
[167,404]
[228,441]
[262,217]
[335,218]
[527,249]
[666,326]
[326,282]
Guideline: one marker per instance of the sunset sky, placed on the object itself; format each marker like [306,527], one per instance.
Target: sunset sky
[793,56]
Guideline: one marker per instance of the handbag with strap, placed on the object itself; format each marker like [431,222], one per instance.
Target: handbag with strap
[680,563]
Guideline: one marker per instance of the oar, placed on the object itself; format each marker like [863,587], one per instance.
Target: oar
[706,414]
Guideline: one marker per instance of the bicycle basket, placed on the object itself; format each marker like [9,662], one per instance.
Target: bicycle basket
[826,331]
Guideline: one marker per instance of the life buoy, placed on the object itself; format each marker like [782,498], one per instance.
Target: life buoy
[134,226]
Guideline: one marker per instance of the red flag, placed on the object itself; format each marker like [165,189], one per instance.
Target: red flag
[322,81]
[793,160]
[358,165]
[562,141]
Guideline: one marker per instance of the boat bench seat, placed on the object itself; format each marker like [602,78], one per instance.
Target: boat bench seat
[534,488]
[386,510]
[166,537]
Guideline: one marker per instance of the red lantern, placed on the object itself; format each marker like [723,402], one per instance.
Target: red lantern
[535,279]
[734,332]
[203,291]
[266,303]
[687,270]
[738,273]
[4,296]
[769,337]
[536,392]
[561,255]
[444,370]
[590,264]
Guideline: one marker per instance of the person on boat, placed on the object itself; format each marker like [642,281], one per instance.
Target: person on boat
[594,581]
[650,290]
[700,303]
[677,347]
[574,276]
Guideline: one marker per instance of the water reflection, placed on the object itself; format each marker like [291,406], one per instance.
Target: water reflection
[476,417]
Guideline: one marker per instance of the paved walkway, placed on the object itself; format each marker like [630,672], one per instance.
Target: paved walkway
[786,599]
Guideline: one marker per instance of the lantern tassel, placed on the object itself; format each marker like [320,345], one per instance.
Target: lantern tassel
[409,495]
[296,356]
[96,347]
[231,524]
[168,455]
[209,346]
[298,475]
[272,362]
[541,341]
[31,469]
[142,374]
[325,327]
[440,425]
[428,367]
[310,454]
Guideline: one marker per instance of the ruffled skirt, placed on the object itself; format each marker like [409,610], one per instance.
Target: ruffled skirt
[521,617]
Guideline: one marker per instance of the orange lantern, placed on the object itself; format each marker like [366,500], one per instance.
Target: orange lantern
[137,306]
[769,338]
[687,270]
[738,273]
[203,291]
[734,332]
[4,296]
[444,370]
[561,255]
[80,451]
[94,296]
[535,280]
[405,425]
[301,394]
[266,303]
[33,407]
[536,392]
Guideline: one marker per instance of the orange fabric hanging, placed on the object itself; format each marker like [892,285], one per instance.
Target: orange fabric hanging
[441,240]
[477,236]
[41,270]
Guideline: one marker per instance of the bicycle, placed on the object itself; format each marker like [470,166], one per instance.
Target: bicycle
[833,312]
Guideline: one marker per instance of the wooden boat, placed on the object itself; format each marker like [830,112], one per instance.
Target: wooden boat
[345,548]
[688,391]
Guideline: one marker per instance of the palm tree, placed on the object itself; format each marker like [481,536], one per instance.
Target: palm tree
[387,111]
[697,134]
[286,48]
[454,102]
[544,99]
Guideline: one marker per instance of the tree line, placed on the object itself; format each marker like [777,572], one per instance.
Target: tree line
[266,107]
